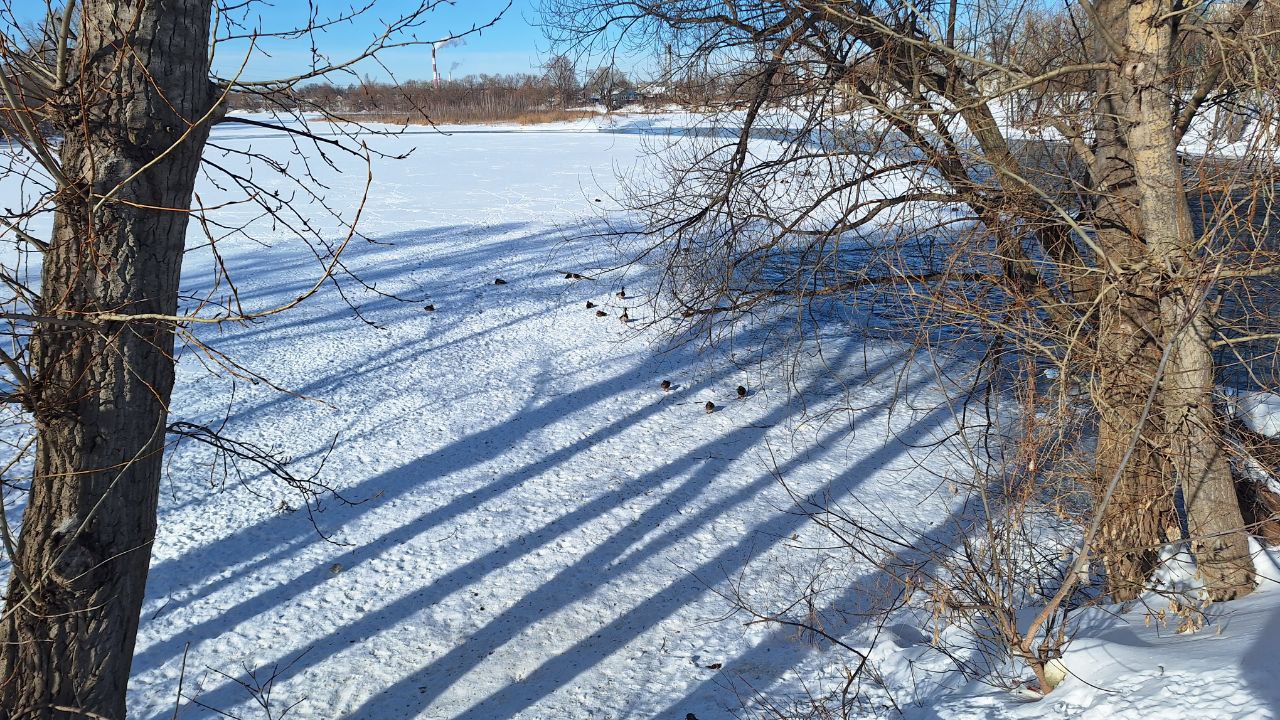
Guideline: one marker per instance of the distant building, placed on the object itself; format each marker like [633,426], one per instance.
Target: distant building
[654,91]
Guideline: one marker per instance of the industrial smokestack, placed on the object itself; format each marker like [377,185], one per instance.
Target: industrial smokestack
[436,46]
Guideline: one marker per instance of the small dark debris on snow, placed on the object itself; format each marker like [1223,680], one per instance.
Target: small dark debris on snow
[599,200]
[499,281]
[711,407]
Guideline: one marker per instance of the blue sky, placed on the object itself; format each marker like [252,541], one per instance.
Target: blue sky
[512,45]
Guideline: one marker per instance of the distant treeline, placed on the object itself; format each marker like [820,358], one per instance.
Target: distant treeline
[471,99]
[559,93]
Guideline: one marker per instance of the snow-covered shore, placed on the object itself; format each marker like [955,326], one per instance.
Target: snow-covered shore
[542,527]
[539,531]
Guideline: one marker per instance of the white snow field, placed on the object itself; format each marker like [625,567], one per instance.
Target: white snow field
[540,524]
[538,531]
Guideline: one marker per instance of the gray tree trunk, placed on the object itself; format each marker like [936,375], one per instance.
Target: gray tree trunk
[1195,446]
[1136,520]
[102,393]
[1128,355]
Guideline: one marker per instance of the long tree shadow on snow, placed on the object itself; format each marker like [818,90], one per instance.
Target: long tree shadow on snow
[286,279]
[418,690]
[357,363]
[487,443]
[557,672]
[287,536]
[861,602]
[290,278]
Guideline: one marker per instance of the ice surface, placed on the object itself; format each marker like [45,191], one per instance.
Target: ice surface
[541,532]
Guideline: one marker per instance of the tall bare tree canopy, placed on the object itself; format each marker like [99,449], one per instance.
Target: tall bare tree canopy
[108,104]
[1079,191]
[563,78]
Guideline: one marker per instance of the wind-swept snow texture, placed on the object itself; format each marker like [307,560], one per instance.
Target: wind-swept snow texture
[540,531]
[541,527]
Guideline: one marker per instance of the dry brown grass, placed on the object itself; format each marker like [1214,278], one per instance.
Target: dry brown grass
[541,117]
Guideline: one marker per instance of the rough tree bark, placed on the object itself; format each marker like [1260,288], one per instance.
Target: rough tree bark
[136,97]
[1141,509]
[1195,446]
[1128,349]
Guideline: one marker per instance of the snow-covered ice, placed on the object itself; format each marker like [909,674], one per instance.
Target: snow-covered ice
[537,531]
[540,524]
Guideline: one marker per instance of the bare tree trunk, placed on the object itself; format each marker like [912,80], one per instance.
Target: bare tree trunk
[1142,505]
[1127,356]
[1214,520]
[102,391]
[1195,445]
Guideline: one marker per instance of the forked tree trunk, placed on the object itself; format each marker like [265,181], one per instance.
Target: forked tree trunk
[1143,216]
[1128,357]
[101,393]
[1195,446]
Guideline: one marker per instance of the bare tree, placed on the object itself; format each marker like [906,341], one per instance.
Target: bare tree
[519,98]
[110,106]
[604,83]
[563,77]
[1060,208]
